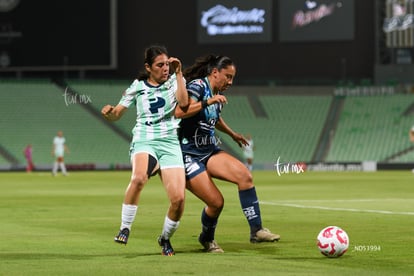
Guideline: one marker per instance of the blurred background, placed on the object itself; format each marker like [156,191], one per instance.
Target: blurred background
[325,83]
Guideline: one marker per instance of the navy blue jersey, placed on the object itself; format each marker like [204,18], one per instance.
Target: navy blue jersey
[197,133]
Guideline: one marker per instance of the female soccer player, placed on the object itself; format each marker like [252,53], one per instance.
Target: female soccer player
[206,79]
[154,144]
[248,152]
[58,151]
[28,155]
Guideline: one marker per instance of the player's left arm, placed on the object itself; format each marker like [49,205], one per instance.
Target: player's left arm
[237,137]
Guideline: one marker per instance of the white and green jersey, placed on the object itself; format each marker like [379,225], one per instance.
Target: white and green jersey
[155,109]
[59,146]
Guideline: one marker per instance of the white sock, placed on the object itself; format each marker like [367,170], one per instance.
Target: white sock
[169,228]
[55,167]
[63,167]
[128,215]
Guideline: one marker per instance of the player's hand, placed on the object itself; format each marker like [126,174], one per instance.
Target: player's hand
[175,64]
[106,110]
[240,140]
[217,99]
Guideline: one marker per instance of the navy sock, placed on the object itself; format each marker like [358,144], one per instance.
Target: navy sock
[209,226]
[251,209]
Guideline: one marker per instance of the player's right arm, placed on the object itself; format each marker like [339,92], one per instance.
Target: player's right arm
[113,113]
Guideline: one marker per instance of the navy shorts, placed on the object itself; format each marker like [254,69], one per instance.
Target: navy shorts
[194,164]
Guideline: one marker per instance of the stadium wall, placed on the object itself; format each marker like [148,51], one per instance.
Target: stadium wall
[273,61]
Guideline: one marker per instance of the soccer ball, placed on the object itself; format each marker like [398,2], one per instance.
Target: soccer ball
[333,241]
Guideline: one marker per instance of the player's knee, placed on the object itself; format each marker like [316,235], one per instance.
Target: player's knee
[178,201]
[217,206]
[245,179]
[177,205]
[138,180]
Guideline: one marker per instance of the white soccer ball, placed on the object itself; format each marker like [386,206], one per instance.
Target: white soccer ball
[333,241]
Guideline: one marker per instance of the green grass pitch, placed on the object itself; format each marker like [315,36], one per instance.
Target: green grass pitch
[65,226]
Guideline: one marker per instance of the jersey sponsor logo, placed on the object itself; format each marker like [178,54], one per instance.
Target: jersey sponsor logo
[155,104]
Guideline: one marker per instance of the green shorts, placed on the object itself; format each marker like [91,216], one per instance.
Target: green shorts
[167,151]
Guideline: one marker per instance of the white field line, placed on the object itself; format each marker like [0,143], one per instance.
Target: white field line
[346,200]
[285,204]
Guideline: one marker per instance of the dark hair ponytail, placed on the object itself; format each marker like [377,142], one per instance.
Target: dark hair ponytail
[204,65]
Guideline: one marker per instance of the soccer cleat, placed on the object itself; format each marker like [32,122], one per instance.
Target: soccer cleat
[122,236]
[211,246]
[167,249]
[264,235]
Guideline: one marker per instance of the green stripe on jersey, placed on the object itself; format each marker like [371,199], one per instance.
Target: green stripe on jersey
[155,109]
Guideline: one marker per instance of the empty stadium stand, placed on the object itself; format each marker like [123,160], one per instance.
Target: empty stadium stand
[372,128]
[290,124]
[34,110]
[290,131]
[102,92]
